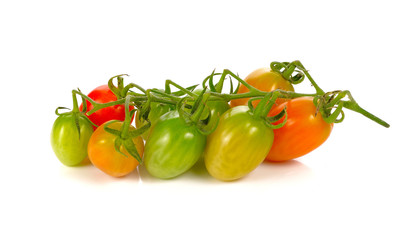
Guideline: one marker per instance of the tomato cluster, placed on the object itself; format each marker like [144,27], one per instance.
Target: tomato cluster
[263,120]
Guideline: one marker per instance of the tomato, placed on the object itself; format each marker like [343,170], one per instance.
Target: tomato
[238,145]
[173,146]
[266,80]
[303,132]
[157,110]
[103,94]
[69,146]
[102,152]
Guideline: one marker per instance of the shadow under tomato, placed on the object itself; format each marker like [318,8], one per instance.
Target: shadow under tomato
[281,171]
[90,174]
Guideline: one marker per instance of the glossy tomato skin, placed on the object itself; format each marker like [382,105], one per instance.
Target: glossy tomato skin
[266,80]
[70,147]
[303,132]
[238,145]
[173,147]
[157,110]
[103,94]
[103,155]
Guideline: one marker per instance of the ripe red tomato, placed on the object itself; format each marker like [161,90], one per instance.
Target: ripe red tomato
[102,152]
[266,80]
[303,132]
[103,94]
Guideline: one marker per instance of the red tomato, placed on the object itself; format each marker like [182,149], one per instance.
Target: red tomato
[266,80]
[103,94]
[303,132]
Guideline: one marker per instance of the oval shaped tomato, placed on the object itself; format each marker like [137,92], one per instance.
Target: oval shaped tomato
[173,146]
[69,146]
[103,94]
[156,111]
[266,80]
[238,145]
[304,131]
[102,152]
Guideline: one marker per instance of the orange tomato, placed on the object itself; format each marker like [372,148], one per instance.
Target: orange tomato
[266,80]
[102,152]
[303,132]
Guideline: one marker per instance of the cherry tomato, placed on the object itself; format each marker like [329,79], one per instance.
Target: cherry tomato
[103,94]
[102,152]
[173,146]
[69,146]
[157,110]
[238,145]
[303,132]
[266,80]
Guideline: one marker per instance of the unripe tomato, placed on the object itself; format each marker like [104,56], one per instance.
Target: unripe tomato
[173,146]
[266,80]
[238,145]
[103,94]
[102,152]
[70,147]
[304,131]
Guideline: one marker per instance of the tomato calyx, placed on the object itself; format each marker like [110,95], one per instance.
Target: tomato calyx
[125,134]
[263,108]
[204,126]
[289,70]
[217,88]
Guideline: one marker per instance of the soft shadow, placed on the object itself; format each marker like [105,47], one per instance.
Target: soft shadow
[281,171]
[87,172]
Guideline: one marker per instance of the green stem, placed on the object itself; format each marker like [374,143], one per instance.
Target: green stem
[199,111]
[356,108]
[319,91]
[168,88]
[75,102]
[128,118]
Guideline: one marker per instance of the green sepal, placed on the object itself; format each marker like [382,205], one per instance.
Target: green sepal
[111,130]
[181,93]
[60,114]
[118,91]
[269,120]
[198,101]
[132,150]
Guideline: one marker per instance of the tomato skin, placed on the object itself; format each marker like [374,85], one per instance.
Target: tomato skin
[103,94]
[302,133]
[266,80]
[102,152]
[173,147]
[238,145]
[157,110]
[69,147]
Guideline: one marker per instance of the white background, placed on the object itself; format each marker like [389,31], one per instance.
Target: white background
[349,188]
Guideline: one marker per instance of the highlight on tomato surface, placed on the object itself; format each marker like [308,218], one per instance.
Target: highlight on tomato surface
[262,117]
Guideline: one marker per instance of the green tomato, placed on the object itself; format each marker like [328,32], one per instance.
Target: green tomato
[157,110]
[69,146]
[173,146]
[238,145]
